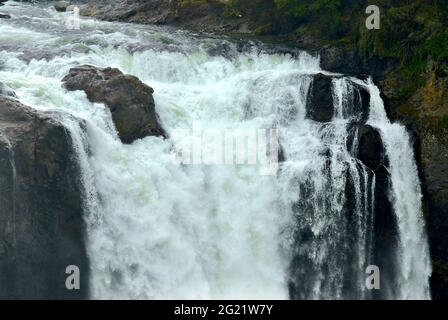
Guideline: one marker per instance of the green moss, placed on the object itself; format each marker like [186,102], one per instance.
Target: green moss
[445,121]
[404,93]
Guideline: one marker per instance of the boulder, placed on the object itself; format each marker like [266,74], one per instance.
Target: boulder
[61,6]
[41,223]
[319,106]
[129,100]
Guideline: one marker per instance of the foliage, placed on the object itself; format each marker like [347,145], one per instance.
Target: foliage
[411,30]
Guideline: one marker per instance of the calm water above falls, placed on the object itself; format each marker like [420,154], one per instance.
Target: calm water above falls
[157,229]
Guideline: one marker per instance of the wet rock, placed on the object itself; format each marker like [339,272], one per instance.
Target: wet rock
[370,150]
[129,100]
[319,106]
[335,59]
[6,91]
[358,108]
[196,15]
[4,16]
[425,114]
[385,235]
[434,175]
[41,224]
[61,6]
[366,144]
[71,8]
[320,101]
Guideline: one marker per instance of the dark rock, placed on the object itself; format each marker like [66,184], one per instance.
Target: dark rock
[366,144]
[425,113]
[385,235]
[319,105]
[4,16]
[358,107]
[129,100]
[196,15]
[6,91]
[335,59]
[41,224]
[433,160]
[320,101]
[61,6]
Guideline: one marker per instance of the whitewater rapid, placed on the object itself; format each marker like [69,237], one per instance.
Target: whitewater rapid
[158,229]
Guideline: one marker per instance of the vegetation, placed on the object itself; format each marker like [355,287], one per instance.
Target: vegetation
[415,31]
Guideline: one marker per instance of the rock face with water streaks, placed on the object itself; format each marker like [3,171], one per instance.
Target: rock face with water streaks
[41,224]
[6,91]
[426,115]
[320,101]
[366,196]
[129,100]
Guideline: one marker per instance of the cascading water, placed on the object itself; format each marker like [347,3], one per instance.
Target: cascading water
[158,229]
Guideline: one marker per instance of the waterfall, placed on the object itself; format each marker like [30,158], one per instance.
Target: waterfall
[158,229]
[415,265]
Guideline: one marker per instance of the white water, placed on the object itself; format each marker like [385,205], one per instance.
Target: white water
[157,229]
[415,267]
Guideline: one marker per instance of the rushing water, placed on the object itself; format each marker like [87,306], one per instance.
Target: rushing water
[158,229]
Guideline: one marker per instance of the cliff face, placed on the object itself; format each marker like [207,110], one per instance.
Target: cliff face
[426,114]
[41,225]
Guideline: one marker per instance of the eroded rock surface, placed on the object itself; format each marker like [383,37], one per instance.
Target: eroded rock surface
[41,223]
[129,100]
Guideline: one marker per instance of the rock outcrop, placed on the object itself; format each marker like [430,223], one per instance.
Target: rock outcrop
[369,147]
[129,100]
[196,15]
[320,101]
[41,223]
[425,113]
[364,143]
[61,6]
